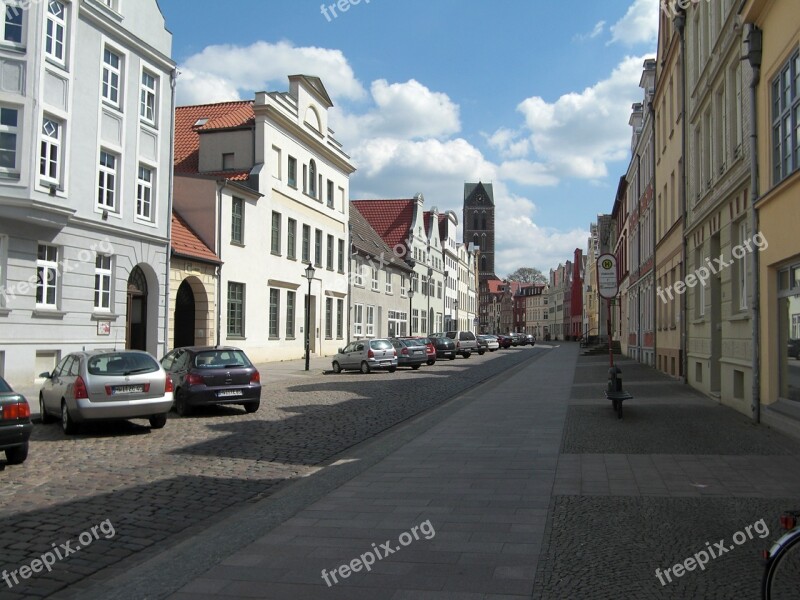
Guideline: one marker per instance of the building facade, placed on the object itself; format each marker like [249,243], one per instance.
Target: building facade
[87,104]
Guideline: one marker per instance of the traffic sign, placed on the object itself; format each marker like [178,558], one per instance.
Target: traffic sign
[607,276]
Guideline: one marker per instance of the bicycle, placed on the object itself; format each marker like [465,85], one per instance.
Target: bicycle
[782,569]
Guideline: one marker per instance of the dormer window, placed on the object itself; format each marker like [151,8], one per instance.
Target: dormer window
[200,122]
[312,178]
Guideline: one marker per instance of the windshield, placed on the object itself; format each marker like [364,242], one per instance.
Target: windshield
[121,363]
[221,359]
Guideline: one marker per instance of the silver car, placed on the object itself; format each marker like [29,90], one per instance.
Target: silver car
[366,355]
[106,385]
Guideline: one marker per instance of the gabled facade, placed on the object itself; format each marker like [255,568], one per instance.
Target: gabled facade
[271,161]
[85,212]
[536,309]
[619,235]
[448,232]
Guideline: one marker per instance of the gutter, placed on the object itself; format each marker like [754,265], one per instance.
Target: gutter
[173,80]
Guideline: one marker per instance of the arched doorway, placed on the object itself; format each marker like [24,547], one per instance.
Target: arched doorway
[184,316]
[136,326]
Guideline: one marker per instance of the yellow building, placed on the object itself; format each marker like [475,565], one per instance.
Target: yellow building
[777,97]
[669,106]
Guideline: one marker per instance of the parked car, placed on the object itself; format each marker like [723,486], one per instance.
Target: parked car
[15,424]
[489,342]
[466,342]
[430,350]
[445,347]
[530,339]
[411,352]
[515,339]
[366,355]
[208,376]
[103,385]
[504,341]
[794,348]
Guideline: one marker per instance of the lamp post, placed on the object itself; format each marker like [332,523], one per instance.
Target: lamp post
[455,307]
[309,274]
[410,296]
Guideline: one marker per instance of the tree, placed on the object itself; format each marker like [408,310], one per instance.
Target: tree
[527,275]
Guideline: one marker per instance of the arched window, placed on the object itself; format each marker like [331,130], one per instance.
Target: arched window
[483,264]
[312,178]
[475,239]
[483,221]
[475,220]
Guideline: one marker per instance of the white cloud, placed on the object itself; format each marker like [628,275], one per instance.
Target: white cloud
[404,111]
[218,70]
[598,29]
[510,144]
[527,173]
[580,133]
[638,26]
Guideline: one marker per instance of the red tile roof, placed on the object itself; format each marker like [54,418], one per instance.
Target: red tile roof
[185,242]
[391,219]
[191,120]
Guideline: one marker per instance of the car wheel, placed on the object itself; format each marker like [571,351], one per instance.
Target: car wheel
[467,354]
[453,357]
[415,367]
[431,362]
[251,407]
[181,405]
[67,424]
[43,413]
[158,421]
[337,368]
[17,455]
[481,352]
[392,369]
[365,367]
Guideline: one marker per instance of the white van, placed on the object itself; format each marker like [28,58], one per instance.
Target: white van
[466,342]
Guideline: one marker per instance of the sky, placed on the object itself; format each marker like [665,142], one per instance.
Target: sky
[533,96]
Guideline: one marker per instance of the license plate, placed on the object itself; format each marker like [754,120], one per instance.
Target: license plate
[128,389]
[229,393]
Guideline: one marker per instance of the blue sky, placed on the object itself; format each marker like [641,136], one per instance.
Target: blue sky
[531,95]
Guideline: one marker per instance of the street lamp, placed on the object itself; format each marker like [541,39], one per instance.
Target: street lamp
[455,307]
[309,275]
[410,296]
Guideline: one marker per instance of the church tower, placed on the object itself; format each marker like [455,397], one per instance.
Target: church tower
[479,224]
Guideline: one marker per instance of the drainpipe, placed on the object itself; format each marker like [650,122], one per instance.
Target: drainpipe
[220,187]
[173,79]
[754,43]
[653,231]
[680,25]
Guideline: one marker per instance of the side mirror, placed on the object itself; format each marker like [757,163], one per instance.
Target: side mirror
[45,375]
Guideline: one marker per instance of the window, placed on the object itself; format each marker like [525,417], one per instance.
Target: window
[276,232]
[290,304]
[274,307]
[358,276]
[341,256]
[370,321]
[47,276]
[12,26]
[107,181]
[291,239]
[9,123]
[312,178]
[102,282]
[700,290]
[741,266]
[55,35]
[50,152]
[329,256]
[292,172]
[144,193]
[237,221]
[111,77]
[306,243]
[388,282]
[235,309]
[424,286]
[424,321]
[414,320]
[147,102]
[439,289]
[328,318]
[374,273]
[786,120]
[330,193]
[358,319]
[317,247]
[339,319]
[402,285]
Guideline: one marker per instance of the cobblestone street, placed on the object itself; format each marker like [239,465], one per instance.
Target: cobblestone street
[154,485]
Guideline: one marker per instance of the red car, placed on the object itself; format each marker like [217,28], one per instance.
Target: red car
[504,341]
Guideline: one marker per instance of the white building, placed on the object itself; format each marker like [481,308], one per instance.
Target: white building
[273,162]
[86,117]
